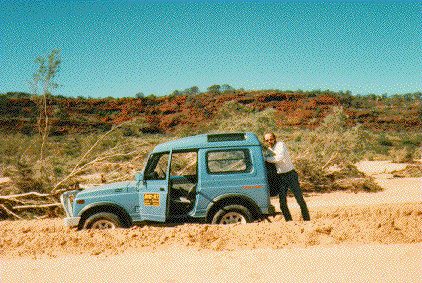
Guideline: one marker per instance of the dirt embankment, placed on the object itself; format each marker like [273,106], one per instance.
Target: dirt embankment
[382,223]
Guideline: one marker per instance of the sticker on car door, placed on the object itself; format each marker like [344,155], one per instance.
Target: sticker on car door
[152,199]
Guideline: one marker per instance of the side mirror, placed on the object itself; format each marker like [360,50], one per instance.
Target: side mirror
[139,177]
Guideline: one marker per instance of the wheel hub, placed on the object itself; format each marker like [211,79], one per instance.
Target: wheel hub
[233,217]
[103,224]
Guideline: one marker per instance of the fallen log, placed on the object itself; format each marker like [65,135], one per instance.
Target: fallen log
[12,207]
[37,206]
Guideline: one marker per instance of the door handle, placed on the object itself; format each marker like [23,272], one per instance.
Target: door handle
[162,189]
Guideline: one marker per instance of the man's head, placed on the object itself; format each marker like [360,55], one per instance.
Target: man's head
[270,139]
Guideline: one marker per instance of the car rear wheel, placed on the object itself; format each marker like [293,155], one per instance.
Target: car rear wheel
[232,214]
[102,220]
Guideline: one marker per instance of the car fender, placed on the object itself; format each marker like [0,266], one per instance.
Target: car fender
[110,207]
[233,199]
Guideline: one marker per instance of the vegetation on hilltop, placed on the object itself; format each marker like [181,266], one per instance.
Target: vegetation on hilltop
[169,114]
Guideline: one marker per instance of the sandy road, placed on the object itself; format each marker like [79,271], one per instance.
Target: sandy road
[345,263]
[396,190]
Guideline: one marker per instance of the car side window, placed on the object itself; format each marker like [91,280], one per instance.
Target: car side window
[184,163]
[229,161]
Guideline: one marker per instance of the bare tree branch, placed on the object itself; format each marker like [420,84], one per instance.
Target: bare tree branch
[25,195]
[334,155]
[77,168]
[9,212]
[13,200]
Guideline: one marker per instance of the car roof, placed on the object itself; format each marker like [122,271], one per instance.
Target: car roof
[209,141]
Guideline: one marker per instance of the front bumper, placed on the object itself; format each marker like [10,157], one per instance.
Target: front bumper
[65,199]
[71,221]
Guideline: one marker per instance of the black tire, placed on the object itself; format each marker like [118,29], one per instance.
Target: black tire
[103,220]
[231,214]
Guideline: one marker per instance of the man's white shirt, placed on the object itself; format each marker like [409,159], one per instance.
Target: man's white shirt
[279,155]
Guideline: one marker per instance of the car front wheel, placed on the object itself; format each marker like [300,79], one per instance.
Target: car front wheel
[102,220]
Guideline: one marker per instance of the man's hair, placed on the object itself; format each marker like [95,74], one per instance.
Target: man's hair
[270,133]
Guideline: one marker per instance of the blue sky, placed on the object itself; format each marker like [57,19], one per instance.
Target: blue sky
[119,48]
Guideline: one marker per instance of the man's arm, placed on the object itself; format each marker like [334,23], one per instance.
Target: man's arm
[279,153]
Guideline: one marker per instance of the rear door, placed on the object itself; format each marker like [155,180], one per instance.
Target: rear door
[153,197]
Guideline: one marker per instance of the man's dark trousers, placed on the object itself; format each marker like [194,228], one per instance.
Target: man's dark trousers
[291,180]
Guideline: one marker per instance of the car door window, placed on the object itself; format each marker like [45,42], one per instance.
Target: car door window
[157,167]
[183,174]
[184,164]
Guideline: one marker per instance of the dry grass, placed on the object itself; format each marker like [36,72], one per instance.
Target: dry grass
[410,171]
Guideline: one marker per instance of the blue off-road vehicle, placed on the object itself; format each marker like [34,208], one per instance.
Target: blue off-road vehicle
[219,178]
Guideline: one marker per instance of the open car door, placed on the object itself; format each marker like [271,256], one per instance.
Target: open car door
[153,197]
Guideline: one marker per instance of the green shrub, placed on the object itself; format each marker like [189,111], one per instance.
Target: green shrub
[72,147]
[401,155]
[384,141]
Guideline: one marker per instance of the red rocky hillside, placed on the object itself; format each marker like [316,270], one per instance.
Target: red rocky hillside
[19,111]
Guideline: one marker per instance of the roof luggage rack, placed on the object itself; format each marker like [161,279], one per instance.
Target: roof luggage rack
[226,137]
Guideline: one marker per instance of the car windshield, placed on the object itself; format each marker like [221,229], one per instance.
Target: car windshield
[156,167]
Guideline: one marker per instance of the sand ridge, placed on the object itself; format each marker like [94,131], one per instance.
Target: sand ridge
[387,224]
